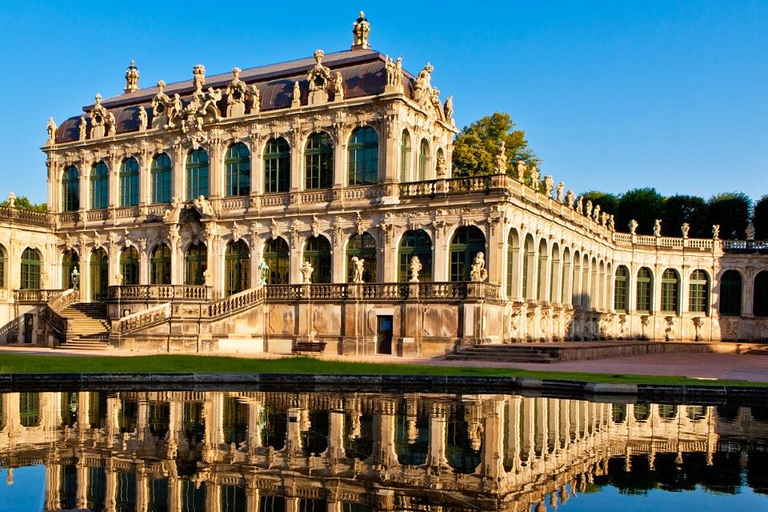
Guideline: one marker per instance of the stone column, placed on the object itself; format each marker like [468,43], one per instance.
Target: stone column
[114,181]
[144,271]
[110,481]
[493,440]
[82,483]
[142,487]
[216,171]
[257,167]
[437,433]
[336,434]
[214,432]
[513,431]
[384,434]
[254,428]
[179,157]
[495,253]
[145,179]
[174,494]
[52,487]
[212,496]
[252,496]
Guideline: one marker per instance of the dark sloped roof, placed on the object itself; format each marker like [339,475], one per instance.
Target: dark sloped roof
[363,72]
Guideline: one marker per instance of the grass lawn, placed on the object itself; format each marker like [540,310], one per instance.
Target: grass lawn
[23,363]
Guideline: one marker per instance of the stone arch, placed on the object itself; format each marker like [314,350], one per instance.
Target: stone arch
[731,286]
[362,246]
[542,269]
[31,265]
[513,263]
[276,155]
[70,261]
[318,161]
[129,265]
[99,274]
[160,264]
[528,268]
[277,256]
[237,267]
[363,156]
[670,291]
[416,243]
[466,242]
[567,275]
[317,251]
[195,264]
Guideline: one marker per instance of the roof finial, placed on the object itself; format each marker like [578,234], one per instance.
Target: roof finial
[360,30]
[132,78]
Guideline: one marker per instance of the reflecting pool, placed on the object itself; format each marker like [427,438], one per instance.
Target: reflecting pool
[255,451]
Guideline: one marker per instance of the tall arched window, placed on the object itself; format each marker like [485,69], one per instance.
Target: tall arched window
[466,243]
[237,163]
[160,265]
[278,259]
[698,292]
[317,251]
[318,158]
[644,290]
[69,262]
[405,156]
[363,157]
[621,289]
[237,260]
[670,291]
[70,186]
[129,265]
[730,293]
[513,248]
[277,166]
[541,272]
[554,274]
[424,160]
[567,275]
[162,178]
[30,269]
[761,294]
[195,263]
[99,274]
[415,243]
[362,246]
[2,266]
[197,173]
[99,186]
[527,276]
[129,182]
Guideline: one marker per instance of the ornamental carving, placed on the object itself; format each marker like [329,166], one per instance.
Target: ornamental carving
[274,229]
[394,72]
[295,230]
[237,232]
[236,95]
[160,104]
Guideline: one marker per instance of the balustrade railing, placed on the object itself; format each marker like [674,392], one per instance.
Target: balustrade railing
[145,292]
[235,203]
[237,302]
[35,296]
[142,319]
[25,216]
[279,199]
[97,215]
[380,291]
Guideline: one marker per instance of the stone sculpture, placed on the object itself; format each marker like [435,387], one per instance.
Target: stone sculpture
[306,272]
[478,273]
[415,268]
[359,268]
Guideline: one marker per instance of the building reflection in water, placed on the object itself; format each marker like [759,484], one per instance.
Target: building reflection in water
[336,452]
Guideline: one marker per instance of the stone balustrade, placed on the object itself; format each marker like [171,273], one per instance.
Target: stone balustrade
[22,216]
[35,296]
[170,292]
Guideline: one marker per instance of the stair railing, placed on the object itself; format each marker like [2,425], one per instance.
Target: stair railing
[142,319]
[51,310]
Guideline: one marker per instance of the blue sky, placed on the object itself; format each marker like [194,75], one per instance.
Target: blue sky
[612,94]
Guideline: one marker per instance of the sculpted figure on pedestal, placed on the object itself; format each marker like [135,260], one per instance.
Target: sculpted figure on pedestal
[51,127]
[632,226]
[415,268]
[359,268]
[685,228]
[478,272]
[236,92]
[500,165]
[657,227]
[160,104]
[306,272]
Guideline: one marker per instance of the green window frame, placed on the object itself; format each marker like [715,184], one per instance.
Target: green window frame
[237,163]
[277,166]
[29,409]
[363,159]
[513,248]
[621,289]
[162,178]
[698,292]
[670,291]
[405,156]
[644,290]
[129,265]
[237,262]
[424,160]
[197,174]
[730,293]
[527,262]
[195,263]
[160,265]
[69,262]
[760,302]
[465,244]
[70,186]
[99,267]
[362,246]
[30,269]
[99,186]
[129,182]
[277,256]
[318,158]
[2,266]
[541,271]
[317,251]
[415,243]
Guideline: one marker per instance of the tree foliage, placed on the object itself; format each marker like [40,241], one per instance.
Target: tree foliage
[23,203]
[679,209]
[760,218]
[644,205]
[475,147]
[609,203]
[730,211]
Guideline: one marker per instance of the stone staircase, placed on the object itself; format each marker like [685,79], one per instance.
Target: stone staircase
[509,353]
[87,326]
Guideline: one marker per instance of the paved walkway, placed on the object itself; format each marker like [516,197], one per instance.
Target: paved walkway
[747,367]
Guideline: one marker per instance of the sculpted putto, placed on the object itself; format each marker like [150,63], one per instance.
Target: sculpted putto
[358,270]
[479,272]
[415,268]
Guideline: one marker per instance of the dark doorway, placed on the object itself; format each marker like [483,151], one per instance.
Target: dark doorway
[384,334]
[29,323]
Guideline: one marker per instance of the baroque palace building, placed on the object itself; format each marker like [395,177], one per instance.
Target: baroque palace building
[313,201]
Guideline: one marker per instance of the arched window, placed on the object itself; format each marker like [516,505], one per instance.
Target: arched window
[698,300]
[554,274]
[528,255]
[99,186]
[129,182]
[362,246]
[99,274]
[513,247]
[160,265]
[70,186]
[237,162]
[278,259]
[405,156]
[195,263]
[576,280]
[415,243]
[162,179]
[317,251]
[670,291]
[424,160]
[129,265]
[2,266]
[69,262]
[644,290]
[363,157]
[30,269]
[621,289]
[237,262]
[29,409]
[318,165]
[541,272]
[730,293]
[761,294]
[277,166]
[465,245]
[197,173]
[565,296]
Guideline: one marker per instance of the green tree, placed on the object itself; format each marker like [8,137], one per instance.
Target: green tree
[644,205]
[475,147]
[730,210]
[609,203]
[691,209]
[760,218]
[23,203]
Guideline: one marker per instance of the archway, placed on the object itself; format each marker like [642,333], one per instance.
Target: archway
[415,243]
[466,243]
[99,275]
[278,259]
[317,251]
[69,262]
[238,267]
[362,246]
[195,264]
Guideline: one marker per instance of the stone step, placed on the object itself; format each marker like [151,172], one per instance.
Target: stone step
[508,353]
[84,344]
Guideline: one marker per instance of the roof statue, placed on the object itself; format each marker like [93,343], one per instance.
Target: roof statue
[51,127]
[143,118]
[98,117]
[500,165]
[160,104]
[236,93]
[132,78]
[255,99]
[360,31]
[394,75]
[320,80]
[296,100]
[338,87]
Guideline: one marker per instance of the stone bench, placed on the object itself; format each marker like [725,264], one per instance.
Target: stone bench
[317,347]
